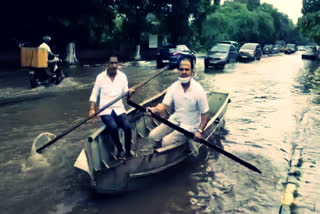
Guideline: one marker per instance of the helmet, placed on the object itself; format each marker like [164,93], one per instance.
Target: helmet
[46,39]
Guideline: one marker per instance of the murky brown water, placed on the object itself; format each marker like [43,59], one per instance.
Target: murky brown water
[272,122]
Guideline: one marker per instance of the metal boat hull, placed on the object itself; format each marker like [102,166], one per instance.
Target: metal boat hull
[111,176]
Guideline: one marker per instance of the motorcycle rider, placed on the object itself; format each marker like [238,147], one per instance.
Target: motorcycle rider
[52,58]
[45,44]
[50,75]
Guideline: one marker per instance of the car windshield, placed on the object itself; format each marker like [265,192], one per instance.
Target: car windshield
[219,49]
[290,45]
[168,48]
[249,46]
[182,48]
[267,46]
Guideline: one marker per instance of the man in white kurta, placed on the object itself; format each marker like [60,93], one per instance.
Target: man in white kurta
[109,85]
[45,45]
[190,104]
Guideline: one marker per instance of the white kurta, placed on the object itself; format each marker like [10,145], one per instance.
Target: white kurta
[106,91]
[188,105]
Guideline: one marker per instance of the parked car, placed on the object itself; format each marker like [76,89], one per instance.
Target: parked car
[310,52]
[250,51]
[300,48]
[171,54]
[220,54]
[276,49]
[234,43]
[281,44]
[291,48]
[267,49]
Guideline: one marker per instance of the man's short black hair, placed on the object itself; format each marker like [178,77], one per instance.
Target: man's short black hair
[112,55]
[187,58]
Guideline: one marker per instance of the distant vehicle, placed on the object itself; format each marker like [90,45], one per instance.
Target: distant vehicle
[267,49]
[291,48]
[300,48]
[171,54]
[276,49]
[282,45]
[220,55]
[250,51]
[234,43]
[310,52]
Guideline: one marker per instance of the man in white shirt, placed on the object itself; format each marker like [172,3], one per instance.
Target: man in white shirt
[190,105]
[46,73]
[45,44]
[109,85]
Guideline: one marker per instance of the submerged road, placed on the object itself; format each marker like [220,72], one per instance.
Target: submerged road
[272,122]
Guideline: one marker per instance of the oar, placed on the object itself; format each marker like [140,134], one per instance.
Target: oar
[39,150]
[191,135]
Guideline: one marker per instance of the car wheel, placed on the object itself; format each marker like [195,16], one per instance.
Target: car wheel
[32,81]
[60,77]
[221,66]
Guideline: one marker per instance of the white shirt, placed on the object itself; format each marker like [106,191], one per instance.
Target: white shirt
[107,90]
[188,105]
[45,46]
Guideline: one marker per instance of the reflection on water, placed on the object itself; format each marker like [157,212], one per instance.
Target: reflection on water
[272,122]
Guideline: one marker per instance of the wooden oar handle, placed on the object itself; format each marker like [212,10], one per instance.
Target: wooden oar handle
[191,135]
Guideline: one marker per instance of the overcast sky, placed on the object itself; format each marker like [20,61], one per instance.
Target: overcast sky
[290,7]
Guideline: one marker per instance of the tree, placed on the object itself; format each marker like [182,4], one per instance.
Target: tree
[217,2]
[309,6]
[234,21]
[309,24]
[251,4]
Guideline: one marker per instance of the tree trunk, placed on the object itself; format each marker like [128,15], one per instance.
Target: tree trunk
[137,56]
[71,54]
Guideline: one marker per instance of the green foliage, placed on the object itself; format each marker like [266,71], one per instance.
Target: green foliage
[234,21]
[251,4]
[310,6]
[109,23]
[309,25]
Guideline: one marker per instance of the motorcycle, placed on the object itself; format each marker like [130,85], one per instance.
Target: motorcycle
[52,75]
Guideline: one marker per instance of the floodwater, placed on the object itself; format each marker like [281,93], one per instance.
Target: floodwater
[272,122]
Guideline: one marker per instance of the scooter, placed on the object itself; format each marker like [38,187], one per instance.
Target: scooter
[52,75]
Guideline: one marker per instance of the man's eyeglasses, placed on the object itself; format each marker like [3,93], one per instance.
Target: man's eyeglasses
[184,69]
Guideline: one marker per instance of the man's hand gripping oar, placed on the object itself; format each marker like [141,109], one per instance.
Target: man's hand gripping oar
[191,135]
[39,150]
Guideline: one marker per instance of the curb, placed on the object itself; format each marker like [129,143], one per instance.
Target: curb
[288,200]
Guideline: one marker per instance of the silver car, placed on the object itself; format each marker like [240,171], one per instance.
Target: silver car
[250,51]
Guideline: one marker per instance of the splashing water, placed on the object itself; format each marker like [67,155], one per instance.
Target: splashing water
[36,160]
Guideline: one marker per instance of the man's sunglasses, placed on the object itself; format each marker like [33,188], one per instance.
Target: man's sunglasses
[184,69]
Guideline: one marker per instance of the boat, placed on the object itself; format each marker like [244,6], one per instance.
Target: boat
[109,175]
